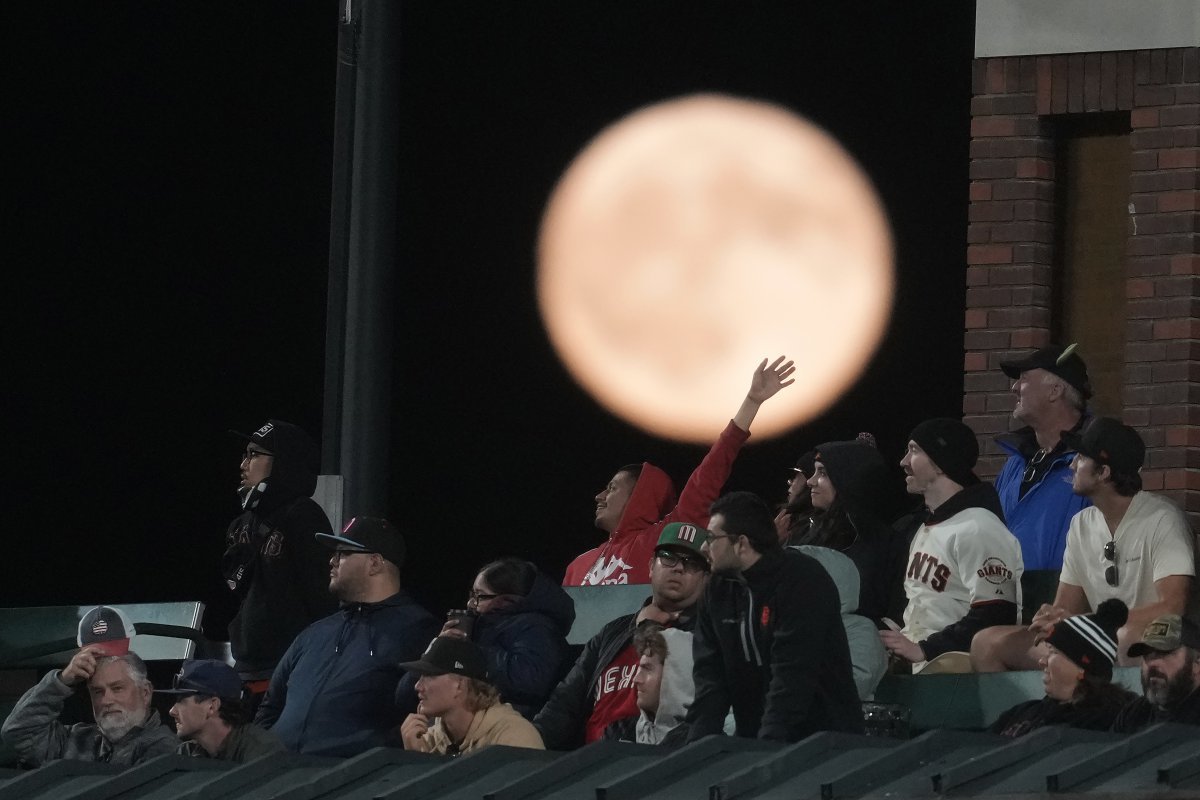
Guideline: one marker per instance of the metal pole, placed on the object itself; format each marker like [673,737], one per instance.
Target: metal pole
[359,329]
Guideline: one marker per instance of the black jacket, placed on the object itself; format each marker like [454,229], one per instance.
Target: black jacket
[273,561]
[562,721]
[1141,713]
[770,643]
[1096,714]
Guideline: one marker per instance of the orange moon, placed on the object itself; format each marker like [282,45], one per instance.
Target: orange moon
[695,237]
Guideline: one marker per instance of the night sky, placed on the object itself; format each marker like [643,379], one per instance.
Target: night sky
[168,243]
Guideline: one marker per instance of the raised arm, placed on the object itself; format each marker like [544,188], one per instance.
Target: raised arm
[764,384]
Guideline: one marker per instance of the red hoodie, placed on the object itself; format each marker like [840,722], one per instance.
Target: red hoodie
[625,557]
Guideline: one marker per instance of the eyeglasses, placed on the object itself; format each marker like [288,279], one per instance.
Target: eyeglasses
[1034,463]
[479,597]
[340,555]
[1111,576]
[250,455]
[690,563]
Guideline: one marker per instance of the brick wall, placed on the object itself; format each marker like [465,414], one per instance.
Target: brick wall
[1010,252]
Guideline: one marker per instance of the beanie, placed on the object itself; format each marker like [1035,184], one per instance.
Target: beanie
[1091,640]
[951,445]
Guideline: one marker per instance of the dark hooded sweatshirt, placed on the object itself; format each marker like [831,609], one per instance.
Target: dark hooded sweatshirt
[857,473]
[273,561]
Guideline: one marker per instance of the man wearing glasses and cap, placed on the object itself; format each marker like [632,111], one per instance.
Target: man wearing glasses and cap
[210,715]
[275,567]
[599,689]
[1170,653]
[1128,544]
[1052,390]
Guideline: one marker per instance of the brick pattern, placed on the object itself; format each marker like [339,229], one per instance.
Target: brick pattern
[1010,239]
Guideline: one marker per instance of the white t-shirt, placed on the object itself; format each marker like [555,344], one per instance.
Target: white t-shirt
[968,559]
[1153,541]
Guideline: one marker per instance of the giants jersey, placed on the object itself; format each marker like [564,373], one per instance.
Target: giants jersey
[967,560]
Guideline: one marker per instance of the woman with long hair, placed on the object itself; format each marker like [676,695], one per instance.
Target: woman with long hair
[846,488]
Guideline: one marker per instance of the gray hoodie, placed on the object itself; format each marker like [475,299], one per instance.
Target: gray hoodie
[867,653]
[676,692]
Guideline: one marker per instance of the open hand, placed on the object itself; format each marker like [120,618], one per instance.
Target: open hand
[769,379]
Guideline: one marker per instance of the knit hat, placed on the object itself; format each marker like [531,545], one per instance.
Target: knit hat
[1109,443]
[368,535]
[951,445]
[106,628]
[683,536]
[1062,361]
[1091,640]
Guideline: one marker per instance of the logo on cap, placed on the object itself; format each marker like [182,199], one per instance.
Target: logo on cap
[99,627]
[265,429]
[687,533]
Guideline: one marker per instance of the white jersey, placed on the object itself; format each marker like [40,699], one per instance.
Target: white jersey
[1152,542]
[967,560]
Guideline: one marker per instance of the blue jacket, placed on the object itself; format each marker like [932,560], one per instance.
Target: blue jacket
[1040,519]
[332,693]
[526,645]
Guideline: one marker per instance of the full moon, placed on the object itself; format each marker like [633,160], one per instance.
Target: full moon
[696,237]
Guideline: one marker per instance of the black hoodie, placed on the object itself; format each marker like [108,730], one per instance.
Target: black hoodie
[273,560]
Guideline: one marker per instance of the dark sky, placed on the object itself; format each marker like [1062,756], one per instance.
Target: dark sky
[168,234]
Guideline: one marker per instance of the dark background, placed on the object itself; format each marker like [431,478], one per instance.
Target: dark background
[167,242]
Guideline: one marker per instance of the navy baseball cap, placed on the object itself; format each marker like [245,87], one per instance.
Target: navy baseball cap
[207,677]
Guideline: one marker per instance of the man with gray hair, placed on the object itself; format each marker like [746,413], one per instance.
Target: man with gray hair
[1052,389]
[127,730]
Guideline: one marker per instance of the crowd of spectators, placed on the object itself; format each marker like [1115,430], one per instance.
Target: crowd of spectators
[760,622]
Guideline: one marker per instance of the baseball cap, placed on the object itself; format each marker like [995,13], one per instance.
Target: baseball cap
[1109,442]
[207,677]
[683,536]
[1166,633]
[450,655]
[368,535]
[276,437]
[107,628]
[1062,361]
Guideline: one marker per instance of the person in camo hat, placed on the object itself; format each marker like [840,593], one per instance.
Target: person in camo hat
[1170,653]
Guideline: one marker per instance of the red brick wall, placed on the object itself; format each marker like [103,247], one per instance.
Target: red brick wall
[1010,253]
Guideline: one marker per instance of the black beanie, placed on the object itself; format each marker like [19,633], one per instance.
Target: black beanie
[952,447]
[1091,640]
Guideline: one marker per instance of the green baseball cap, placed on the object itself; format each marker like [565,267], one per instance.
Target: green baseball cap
[684,536]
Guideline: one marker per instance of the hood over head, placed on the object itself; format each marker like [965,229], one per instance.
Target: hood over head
[857,472]
[652,498]
[295,466]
